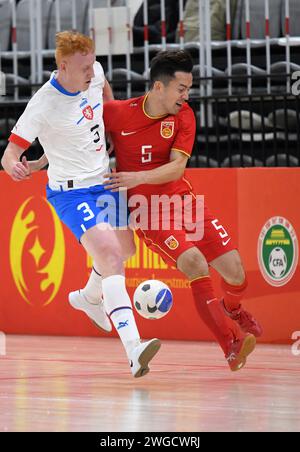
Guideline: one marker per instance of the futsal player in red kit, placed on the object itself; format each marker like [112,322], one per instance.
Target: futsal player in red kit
[153,137]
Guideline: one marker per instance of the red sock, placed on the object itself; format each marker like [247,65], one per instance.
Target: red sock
[212,312]
[233,294]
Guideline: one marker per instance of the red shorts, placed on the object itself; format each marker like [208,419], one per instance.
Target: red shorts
[170,244]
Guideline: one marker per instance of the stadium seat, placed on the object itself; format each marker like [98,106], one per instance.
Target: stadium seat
[6,125]
[281,68]
[240,70]
[98,4]
[236,25]
[279,71]
[3,144]
[201,161]
[294,17]
[218,45]
[238,160]
[23,23]
[66,19]
[45,76]
[285,119]
[282,160]
[258,137]
[5,24]
[192,46]
[257,19]
[219,80]
[248,120]
[216,73]
[218,121]
[119,78]
[23,83]
[255,44]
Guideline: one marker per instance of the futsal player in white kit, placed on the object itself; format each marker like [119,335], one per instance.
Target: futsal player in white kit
[66,115]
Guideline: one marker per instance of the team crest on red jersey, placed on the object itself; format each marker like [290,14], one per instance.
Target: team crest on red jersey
[88,112]
[167,129]
[172,243]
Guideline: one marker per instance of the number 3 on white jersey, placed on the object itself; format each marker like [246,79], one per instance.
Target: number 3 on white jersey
[146,155]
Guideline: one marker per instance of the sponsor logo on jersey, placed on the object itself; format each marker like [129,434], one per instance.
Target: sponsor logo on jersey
[84,102]
[211,301]
[167,129]
[172,243]
[88,112]
[125,134]
[122,324]
[225,242]
[277,251]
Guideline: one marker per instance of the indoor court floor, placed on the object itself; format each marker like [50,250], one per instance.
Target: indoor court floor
[85,384]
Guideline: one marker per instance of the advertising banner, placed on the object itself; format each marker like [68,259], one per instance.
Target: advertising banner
[41,261]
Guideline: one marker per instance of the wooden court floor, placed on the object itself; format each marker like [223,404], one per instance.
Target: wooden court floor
[84,384]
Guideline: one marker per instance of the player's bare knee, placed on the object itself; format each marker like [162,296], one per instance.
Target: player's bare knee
[126,240]
[193,264]
[237,274]
[111,258]
[129,252]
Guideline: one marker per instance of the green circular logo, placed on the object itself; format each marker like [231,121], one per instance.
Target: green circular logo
[278,251]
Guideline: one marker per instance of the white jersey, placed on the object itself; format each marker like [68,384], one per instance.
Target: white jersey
[70,129]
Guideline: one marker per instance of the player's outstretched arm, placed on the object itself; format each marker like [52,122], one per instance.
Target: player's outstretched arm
[169,172]
[11,163]
[166,173]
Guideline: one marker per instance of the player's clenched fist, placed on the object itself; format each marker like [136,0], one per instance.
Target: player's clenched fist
[21,170]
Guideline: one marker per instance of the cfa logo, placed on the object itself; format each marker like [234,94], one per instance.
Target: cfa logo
[277,251]
[37,251]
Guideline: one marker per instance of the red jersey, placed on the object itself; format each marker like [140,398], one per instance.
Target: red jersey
[143,142]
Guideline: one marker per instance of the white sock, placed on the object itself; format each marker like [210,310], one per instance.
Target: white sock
[93,289]
[118,307]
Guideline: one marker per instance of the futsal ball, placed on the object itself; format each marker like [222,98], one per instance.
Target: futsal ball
[153,299]
[277,262]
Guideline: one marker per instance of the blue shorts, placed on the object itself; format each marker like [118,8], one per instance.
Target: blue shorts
[83,208]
